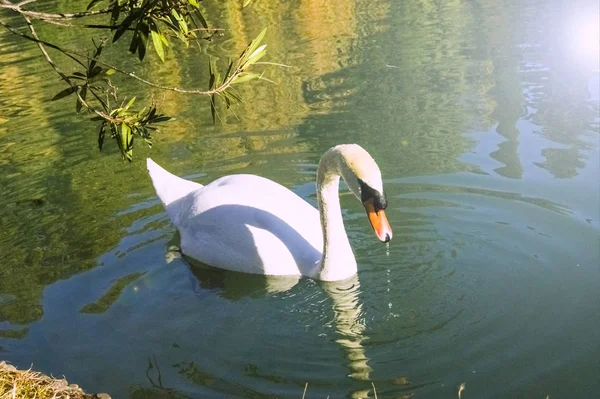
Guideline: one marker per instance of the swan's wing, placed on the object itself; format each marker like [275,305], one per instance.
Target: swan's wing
[169,187]
[250,224]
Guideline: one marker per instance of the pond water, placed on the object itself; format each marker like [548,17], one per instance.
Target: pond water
[484,118]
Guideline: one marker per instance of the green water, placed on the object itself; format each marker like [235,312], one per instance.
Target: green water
[484,118]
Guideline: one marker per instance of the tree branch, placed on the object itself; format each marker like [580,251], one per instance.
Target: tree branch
[61,73]
[70,53]
[49,16]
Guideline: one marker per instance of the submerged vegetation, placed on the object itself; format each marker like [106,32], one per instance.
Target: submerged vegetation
[111,295]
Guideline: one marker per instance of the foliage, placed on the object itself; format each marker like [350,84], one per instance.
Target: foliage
[148,21]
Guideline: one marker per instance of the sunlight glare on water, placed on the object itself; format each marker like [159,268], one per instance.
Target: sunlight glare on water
[582,36]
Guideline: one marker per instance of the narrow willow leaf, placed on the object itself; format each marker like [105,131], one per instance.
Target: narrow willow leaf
[125,136]
[202,20]
[180,21]
[254,43]
[213,110]
[109,72]
[246,3]
[64,93]
[254,57]
[164,40]
[95,72]
[258,52]
[245,77]
[234,96]
[114,15]
[143,32]
[193,3]
[130,103]
[161,118]
[158,45]
[135,41]
[124,26]
[151,113]
[228,70]
[92,4]
[211,81]
[101,136]
[99,48]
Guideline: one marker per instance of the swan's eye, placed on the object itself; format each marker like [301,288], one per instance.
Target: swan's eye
[369,193]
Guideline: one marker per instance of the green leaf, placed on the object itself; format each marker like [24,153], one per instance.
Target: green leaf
[254,56]
[202,20]
[94,72]
[126,137]
[99,49]
[211,81]
[124,26]
[161,118]
[109,72]
[228,70]
[142,32]
[246,3]
[213,110]
[158,44]
[182,24]
[245,77]
[64,93]
[254,43]
[101,136]
[130,103]
[193,3]
[92,4]
[164,39]
[114,15]
[234,96]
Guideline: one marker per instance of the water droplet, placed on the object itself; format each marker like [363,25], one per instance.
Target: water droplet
[387,249]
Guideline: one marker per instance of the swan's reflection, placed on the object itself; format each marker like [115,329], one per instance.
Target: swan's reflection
[346,305]
[349,324]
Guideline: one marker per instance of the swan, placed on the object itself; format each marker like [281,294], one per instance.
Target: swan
[251,224]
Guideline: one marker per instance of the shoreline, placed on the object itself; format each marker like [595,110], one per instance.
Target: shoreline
[15,383]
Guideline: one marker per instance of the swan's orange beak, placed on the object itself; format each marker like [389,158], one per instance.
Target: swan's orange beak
[378,221]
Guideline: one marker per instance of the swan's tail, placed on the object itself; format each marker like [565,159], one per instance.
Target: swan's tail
[169,187]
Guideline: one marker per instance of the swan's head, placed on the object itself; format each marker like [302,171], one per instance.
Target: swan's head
[363,177]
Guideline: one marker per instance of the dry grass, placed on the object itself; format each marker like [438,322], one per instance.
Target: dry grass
[21,384]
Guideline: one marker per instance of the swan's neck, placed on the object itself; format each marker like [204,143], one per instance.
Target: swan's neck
[338,261]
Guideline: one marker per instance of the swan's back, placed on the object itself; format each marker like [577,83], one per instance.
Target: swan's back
[242,222]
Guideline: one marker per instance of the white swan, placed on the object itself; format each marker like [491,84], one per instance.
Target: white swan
[250,224]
